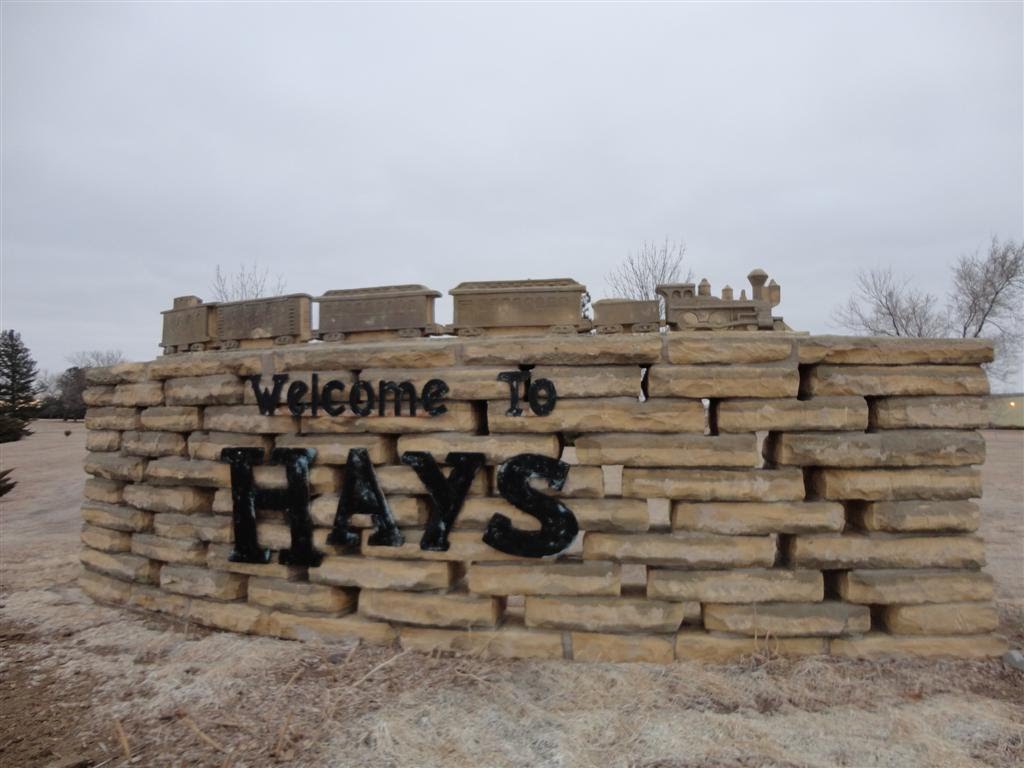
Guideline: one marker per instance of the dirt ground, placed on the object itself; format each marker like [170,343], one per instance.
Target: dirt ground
[83,685]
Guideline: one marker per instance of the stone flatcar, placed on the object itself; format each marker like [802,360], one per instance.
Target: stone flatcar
[369,314]
[627,316]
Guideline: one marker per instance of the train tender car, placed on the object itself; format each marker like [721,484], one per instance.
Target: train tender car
[189,326]
[263,322]
[627,316]
[690,308]
[368,314]
[510,307]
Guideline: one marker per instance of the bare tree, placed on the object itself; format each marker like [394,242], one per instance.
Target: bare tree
[247,283]
[986,301]
[648,267]
[96,358]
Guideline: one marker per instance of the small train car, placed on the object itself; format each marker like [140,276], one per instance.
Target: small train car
[510,307]
[627,316]
[405,311]
[189,326]
[255,322]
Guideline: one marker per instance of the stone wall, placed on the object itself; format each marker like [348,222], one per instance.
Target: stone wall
[766,493]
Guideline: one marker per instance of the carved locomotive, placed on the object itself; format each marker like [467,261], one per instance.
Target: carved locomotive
[509,307]
[368,314]
[687,309]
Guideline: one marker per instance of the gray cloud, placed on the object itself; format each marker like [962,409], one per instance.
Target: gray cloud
[350,145]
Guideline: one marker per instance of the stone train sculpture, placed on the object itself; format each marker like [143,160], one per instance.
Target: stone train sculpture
[490,308]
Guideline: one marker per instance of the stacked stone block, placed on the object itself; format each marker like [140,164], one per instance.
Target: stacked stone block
[735,493]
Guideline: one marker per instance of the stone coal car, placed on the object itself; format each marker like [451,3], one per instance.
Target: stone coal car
[254,322]
[406,311]
[189,326]
[518,306]
[626,316]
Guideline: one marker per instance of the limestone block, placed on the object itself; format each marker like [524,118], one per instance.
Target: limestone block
[818,413]
[322,479]
[207,446]
[930,413]
[437,353]
[595,646]
[168,418]
[895,448]
[464,383]
[496,448]
[881,644]
[463,546]
[174,470]
[120,373]
[823,619]
[114,466]
[184,551]
[722,649]
[460,417]
[377,573]
[884,380]
[754,585]
[591,514]
[223,504]
[155,600]
[587,381]
[564,578]
[849,350]
[234,617]
[563,350]
[408,511]
[428,609]
[186,500]
[734,348]
[101,440]
[403,480]
[106,539]
[112,418]
[897,484]
[266,385]
[581,482]
[121,565]
[247,419]
[201,582]
[914,516]
[215,389]
[328,629]
[104,589]
[911,587]
[299,596]
[273,535]
[106,491]
[853,550]
[98,396]
[714,484]
[722,381]
[612,414]
[217,559]
[738,517]
[195,364]
[683,550]
[507,642]
[668,450]
[116,517]
[153,444]
[606,614]
[212,528]
[333,449]
[139,395]
[941,619]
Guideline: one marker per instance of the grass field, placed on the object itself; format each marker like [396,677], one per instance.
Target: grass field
[84,685]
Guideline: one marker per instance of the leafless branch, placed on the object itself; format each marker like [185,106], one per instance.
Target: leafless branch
[647,267]
[249,282]
[96,358]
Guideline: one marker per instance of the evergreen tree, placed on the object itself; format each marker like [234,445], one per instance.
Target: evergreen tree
[18,374]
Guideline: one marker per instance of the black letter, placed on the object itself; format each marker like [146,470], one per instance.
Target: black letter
[296,507]
[514,379]
[361,494]
[243,504]
[405,388]
[446,496]
[434,392]
[353,398]
[268,400]
[333,408]
[550,396]
[295,392]
[558,524]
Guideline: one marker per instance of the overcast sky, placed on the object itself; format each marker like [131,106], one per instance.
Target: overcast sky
[357,145]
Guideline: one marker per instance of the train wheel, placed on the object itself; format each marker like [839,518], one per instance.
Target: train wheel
[605,329]
[229,344]
[332,336]
[281,340]
[470,332]
[410,333]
